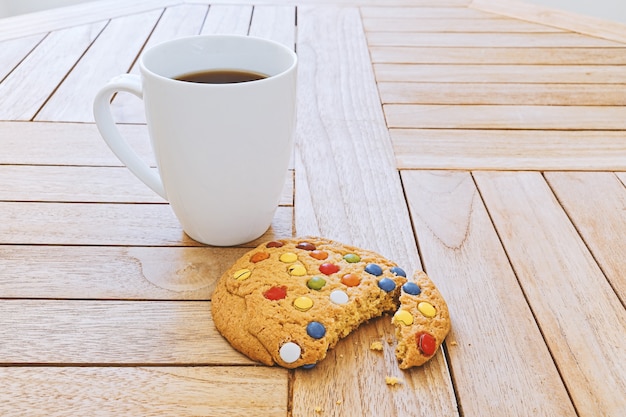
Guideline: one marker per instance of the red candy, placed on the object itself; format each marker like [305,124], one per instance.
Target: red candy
[319,255]
[305,246]
[276,293]
[426,343]
[350,280]
[259,256]
[274,244]
[328,268]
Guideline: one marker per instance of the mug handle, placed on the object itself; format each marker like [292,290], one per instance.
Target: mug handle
[129,83]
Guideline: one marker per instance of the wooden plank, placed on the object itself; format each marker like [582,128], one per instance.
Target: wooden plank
[277,23]
[574,22]
[28,87]
[86,184]
[506,117]
[622,177]
[557,273]
[123,273]
[528,40]
[423,12]
[228,19]
[448,25]
[79,14]
[511,74]
[491,341]
[508,55]
[72,144]
[176,22]
[345,180]
[107,224]
[145,391]
[508,149]
[502,93]
[584,195]
[14,51]
[113,53]
[112,332]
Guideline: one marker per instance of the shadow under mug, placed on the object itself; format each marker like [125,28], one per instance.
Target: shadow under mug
[222,150]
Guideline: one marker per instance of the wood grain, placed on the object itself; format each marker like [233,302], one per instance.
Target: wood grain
[410,11]
[107,224]
[449,25]
[347,189]
[585,194]
[462,254]
[511,74]
[147,391]
[113,332]
[557,271]
[506,117]
[501,93]
[123,273]
[508,149]
[228,19]
[12,52]
[113,53]
[528,40]
[508,55]
[277,23]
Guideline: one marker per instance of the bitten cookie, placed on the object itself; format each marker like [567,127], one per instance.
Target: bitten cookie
[422,321]
[288,302]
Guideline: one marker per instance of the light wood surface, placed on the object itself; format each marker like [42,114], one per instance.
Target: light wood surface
[483,142]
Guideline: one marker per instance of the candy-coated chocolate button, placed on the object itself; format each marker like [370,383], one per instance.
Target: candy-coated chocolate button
[274,244]
[374,269]
[316,330]
[426,343]
[276,293]
[309,366]
[328,268]
[404,317]
[259,256]
[387,284]
[305,246]
[290,352]
[316,283]
[350,280]
[352,258]
[398,271]
[320,255]
[411,288]
[303,303]
[339,297]
[288,257]
[297,270]
[242,274]
[427,309]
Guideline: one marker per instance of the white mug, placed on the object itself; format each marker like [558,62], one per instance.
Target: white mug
[222,150]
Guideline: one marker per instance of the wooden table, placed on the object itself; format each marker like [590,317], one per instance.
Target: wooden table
[447,135]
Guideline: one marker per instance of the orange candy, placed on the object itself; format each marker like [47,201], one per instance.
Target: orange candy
[351,280]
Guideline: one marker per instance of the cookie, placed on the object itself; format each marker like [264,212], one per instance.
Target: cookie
[288,302]
[422,321]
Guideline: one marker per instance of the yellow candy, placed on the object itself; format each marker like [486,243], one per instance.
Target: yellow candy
[403,317]
[242,274]
[297,270]
[303,303]
[427,309]
[288,257]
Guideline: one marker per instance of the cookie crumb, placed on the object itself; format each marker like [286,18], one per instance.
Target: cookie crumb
[453,343]
[392,380]
[339,402]
[319,409]
[376,345]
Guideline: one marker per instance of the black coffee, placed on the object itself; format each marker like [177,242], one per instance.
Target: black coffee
[221,76]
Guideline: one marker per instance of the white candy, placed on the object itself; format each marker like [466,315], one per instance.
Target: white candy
[290,352]
[339,297]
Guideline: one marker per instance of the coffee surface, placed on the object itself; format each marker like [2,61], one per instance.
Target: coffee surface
[221,76]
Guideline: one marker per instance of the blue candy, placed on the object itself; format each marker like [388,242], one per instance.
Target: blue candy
[374,269]
[316,330]
[398,271]
[387,284]
[411,288]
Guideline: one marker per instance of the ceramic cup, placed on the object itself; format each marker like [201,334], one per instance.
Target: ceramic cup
[222,150]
